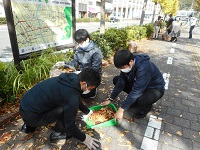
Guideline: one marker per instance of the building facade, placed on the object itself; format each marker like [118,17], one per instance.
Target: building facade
[2,12]
[133,8]
[92,8]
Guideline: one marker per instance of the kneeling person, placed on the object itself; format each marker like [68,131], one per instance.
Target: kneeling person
[57,100]
[140,78]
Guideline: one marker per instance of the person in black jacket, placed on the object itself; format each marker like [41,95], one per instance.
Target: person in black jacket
[57,100]
[140,78]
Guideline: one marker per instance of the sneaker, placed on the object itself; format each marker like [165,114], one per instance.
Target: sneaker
[59,139]
[94,94]
[28,129]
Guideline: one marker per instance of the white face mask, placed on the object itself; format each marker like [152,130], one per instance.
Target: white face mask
[87,91]
[126,70]
[83,45]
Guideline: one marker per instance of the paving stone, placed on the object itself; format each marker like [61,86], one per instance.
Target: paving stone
[181,122]
[165,138]
[179,105]
[173,129]
[189,116]
[195,125]
[196,144]
[193,135]
[182,143]
[167,118]
[167,103]
[194,110]
[188,102]
[169,147]
[174,112]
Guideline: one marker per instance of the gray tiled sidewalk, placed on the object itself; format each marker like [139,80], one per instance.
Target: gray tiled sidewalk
[179,108]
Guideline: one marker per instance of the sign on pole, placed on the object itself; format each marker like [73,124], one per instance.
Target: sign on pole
[35,25]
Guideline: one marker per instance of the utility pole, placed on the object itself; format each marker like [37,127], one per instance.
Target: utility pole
[102,22]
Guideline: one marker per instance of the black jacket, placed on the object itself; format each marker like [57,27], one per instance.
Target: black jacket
[144,75]
[64,90]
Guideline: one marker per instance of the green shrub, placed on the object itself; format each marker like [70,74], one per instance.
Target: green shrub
[102,44]
[2,20]
[149,29]
[34,70]
[114,39]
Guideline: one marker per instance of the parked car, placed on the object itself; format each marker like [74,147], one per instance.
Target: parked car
[113,19]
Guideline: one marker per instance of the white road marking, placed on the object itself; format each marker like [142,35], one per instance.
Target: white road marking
[172,50]
[174,44]
[151,136]
[169,60]
[166,78]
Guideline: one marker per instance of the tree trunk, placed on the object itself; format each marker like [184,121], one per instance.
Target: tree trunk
[154,11]
[102,22]
[143,12]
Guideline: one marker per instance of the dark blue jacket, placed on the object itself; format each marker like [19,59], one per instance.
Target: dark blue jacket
[64,90]
[144,75]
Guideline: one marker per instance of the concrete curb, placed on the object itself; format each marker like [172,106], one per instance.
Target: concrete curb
[7,117]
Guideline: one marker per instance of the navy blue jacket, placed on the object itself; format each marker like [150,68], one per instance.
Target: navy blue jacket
[64,90]
[144,75]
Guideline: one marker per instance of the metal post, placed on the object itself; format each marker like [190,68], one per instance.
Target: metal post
[11,30]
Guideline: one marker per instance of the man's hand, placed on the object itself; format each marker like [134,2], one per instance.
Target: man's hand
[119,114]
[84,117]
[90,142]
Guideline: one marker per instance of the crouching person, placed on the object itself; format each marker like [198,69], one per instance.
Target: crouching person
[56,100]
[141,79]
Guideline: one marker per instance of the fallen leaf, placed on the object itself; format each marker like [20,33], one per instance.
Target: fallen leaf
[39,147]
[29,145]
[5,137]
[179,133]
[194,136]
[128,143]
[169,134]
[109,139]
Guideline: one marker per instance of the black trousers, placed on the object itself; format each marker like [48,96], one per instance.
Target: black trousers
[190,32]
[146,100]
[55,115]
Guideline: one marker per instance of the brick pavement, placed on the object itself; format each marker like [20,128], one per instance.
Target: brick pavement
[179,108]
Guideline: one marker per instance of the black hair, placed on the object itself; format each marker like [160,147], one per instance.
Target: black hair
[122,57]
[190,15]
[91,76]
[159,17]
[81,35]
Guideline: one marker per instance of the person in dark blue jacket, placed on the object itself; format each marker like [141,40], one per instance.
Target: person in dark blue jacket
[57,100]
[140,78]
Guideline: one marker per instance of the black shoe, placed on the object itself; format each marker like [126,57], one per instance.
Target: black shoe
[141,114]
[55,139]
[28,129]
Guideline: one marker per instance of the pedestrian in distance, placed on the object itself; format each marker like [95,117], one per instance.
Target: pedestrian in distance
[175,30]
[57,100]
[87,54]
[192,22]
[157,26]
[141,79]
